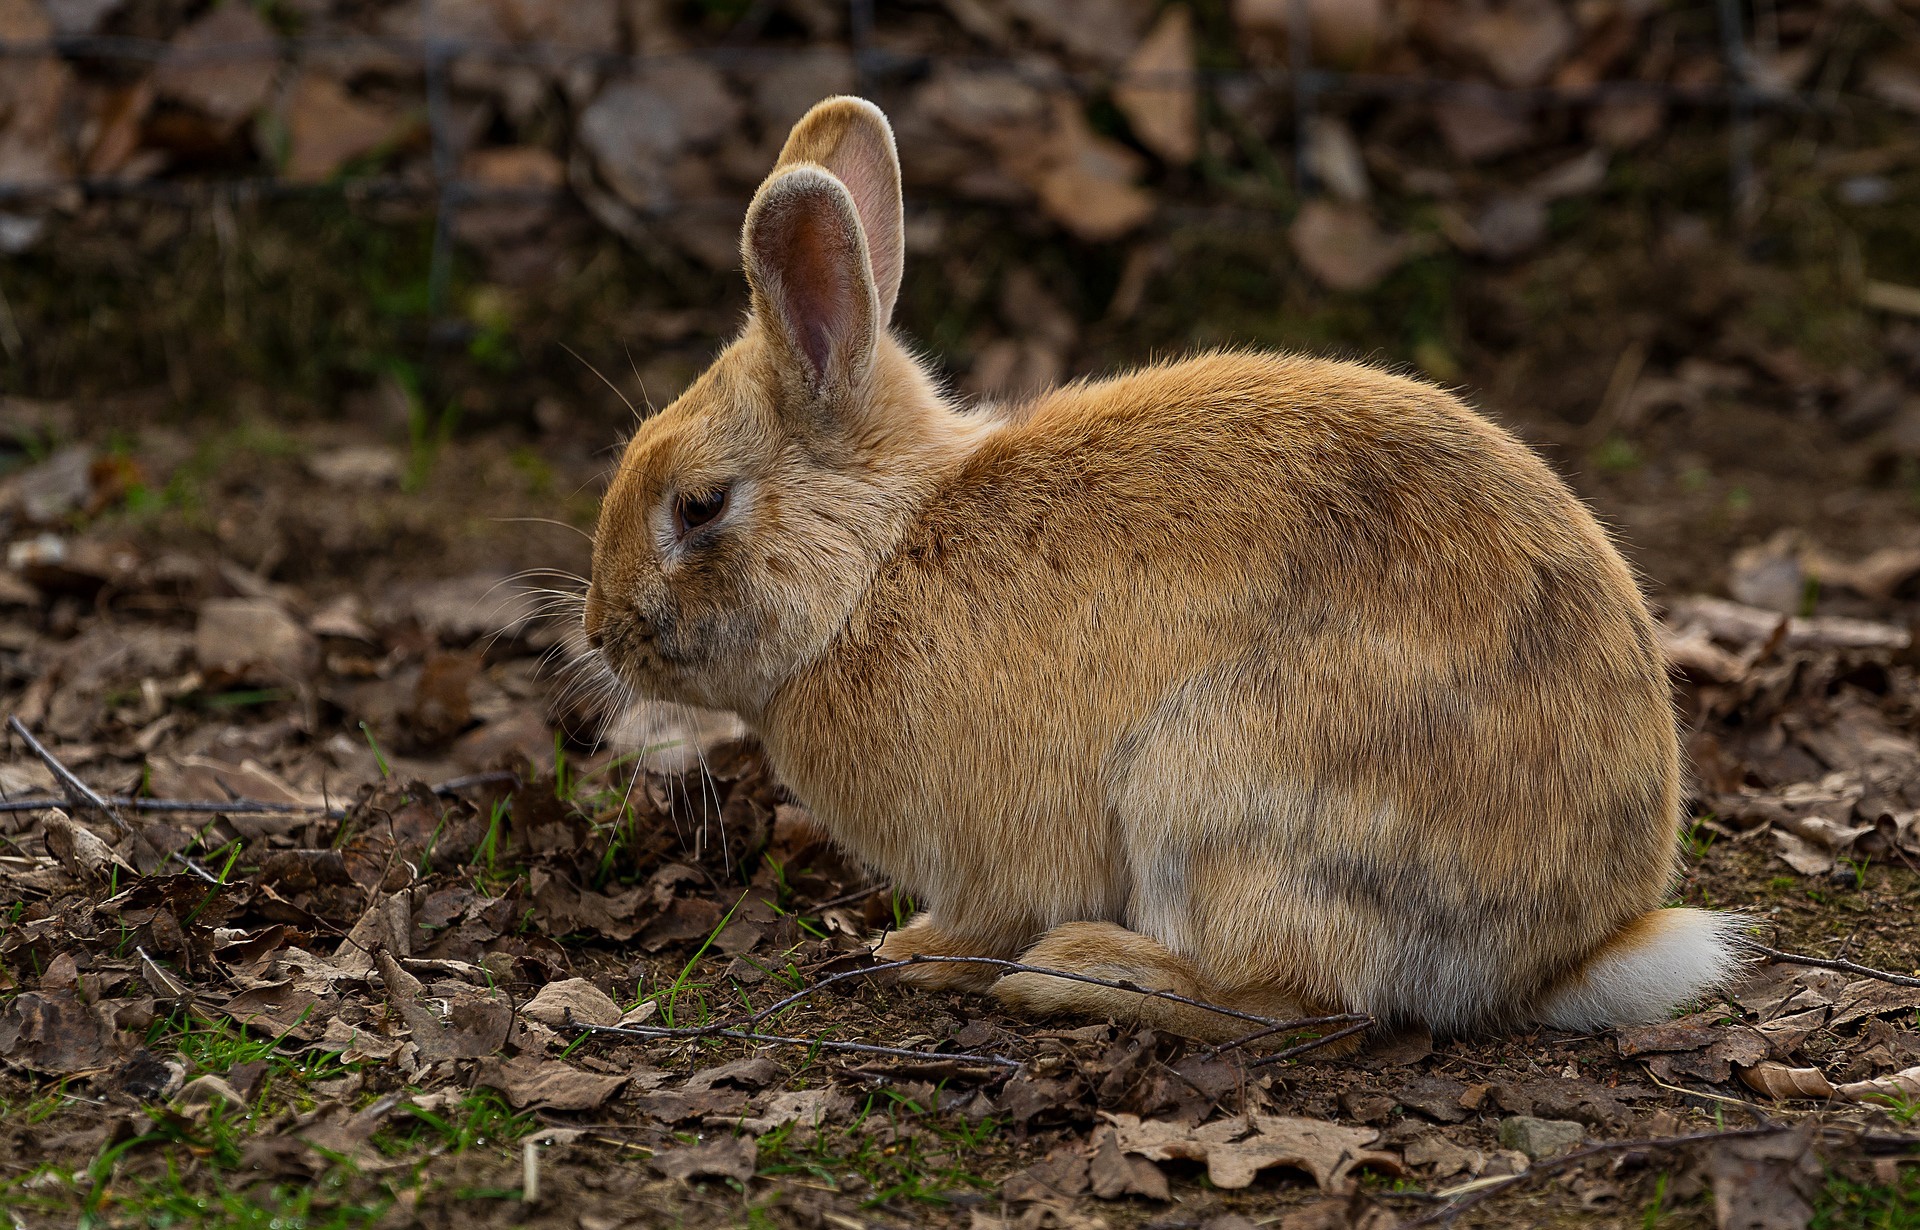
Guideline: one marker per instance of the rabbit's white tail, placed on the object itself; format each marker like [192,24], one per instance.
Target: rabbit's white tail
[1656,963]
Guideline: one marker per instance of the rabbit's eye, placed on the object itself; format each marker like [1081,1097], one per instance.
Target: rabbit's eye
[690,512]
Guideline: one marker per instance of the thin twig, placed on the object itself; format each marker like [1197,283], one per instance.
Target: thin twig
[245,806]
[1479,1195]
[1016,967]
[1753,1108]
[1338,1018]
[656,1033]
[453,785]
[731,1029]
[79,795]
[1836,963]
[238,807]
[1540,1169]
[857,894]
[1312,1044]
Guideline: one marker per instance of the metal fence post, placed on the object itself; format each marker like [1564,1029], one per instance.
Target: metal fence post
[1740,174]
[1305,86]
[435,54]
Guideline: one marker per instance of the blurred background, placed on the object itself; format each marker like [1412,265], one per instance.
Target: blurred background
[330,313]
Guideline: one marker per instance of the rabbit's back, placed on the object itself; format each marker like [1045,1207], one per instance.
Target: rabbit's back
[1311,615]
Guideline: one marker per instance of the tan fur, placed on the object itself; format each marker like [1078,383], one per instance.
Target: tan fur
[1263,678]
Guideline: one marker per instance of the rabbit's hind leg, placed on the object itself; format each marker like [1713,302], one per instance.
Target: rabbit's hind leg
[1110,952]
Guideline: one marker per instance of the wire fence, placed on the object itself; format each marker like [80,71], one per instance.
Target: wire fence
[1741,95]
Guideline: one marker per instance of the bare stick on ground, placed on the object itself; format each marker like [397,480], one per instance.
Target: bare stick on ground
[81,795]
[78,793]
[1480,1195]
[1268,1024]
[1834,963]
[665,1032]
[245,806]
[1354,1022]
[1888,1142]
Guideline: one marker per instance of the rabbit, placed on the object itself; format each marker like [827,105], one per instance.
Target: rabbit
[1284,684]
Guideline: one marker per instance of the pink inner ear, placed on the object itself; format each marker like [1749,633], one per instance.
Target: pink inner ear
[817,280]
[870,180]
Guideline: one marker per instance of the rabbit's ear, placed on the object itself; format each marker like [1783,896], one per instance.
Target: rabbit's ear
[812,282]
[851,138]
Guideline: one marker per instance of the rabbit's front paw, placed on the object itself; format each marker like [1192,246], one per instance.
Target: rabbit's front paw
[921,938]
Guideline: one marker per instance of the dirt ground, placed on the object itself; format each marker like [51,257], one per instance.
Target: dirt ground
[282,543]
[367,1017]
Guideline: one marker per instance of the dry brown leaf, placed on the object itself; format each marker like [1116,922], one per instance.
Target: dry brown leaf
[563,908]
[1444,1156]
[460,610]
[1686,1034]
[679,1106]
[548,1083]
[206,777]
[1510,226]
[1086,181]
[577,25]
[1895,83]
[1622,123]
[223,64]
[784,89]
[1777,1080]
[1012,369]
[1236,1150]
[1901,1086]
[1802,855]
[1343,248]
[57,1033]
[1692,650]
[1054,1180]
[341,1132]
[35,92]
[252,639]
[120,116]
[574,999]
[442,702]
[1100,30]
[807,1107]
[1785,1034]
[328,128]
[1113,1173]
[1872,997]
[475,1024]
[510,166]
[1577,176]
[207,1091]
[752,1072]
[1877,575]
[355,1043]
[728,1157]
[1478,127]
[1785,989]
[1157,93]
[684,919]
[1739,623]
[1521,43]
[1765,1183]
[1334,157]
[81,851]
[1345,32]
[638,128]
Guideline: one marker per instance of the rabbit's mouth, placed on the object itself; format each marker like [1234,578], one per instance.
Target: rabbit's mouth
[650,657]
[645,675]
